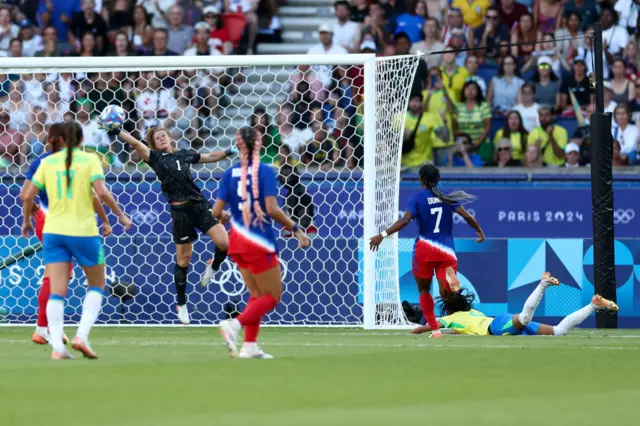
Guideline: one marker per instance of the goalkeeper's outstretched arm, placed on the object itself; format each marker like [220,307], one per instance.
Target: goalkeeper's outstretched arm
[141,148]
[215,156]
[374,242]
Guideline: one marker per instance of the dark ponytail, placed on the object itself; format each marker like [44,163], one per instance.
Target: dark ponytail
[430,176]
[456,302]
[73,138]
[56,137]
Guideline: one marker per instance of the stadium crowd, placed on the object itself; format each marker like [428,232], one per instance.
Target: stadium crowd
[501,103]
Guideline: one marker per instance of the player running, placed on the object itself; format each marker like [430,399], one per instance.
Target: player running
[54,143]
[190,210]
[460,317]
[71,231]
[433,250]
[250,190]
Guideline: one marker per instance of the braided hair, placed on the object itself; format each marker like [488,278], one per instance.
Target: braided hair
[430,176]
[456,302]
[249,143]
[73,138]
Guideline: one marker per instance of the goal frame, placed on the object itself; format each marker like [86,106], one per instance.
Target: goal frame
[153,63]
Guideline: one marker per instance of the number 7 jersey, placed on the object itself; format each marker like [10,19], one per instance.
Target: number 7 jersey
[435,227]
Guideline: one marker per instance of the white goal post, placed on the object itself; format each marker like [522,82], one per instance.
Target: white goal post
[342,119]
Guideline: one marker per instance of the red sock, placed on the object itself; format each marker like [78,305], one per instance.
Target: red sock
[251,330]
[43,298]
[429,310]
[256,310]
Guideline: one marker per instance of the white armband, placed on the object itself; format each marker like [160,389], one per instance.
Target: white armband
[384,234]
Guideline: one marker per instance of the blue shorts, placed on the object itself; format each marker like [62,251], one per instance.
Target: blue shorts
[61,248]
[502,325]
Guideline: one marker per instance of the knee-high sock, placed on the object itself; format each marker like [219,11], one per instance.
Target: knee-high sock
[90,311]
[573,320]
[55,314]
[218,257]
[254,312]
[532,303]
[429,310]
[180,280]
[251,330]
[43,299]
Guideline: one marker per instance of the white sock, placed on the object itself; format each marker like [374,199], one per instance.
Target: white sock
[90,311]
[42,331]
[235,324]
[249,346]
[573,320]
[55,315]
[532,303]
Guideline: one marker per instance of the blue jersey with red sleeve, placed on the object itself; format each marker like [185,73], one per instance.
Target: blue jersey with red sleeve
[258,237]
[435,227]
[44,200]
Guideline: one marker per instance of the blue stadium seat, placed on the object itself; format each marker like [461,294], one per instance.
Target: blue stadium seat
[497,123]
[487,72]
[569,123]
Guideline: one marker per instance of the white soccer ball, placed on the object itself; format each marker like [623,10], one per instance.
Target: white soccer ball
[112,117]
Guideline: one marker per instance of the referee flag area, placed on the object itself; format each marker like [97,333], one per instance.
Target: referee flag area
[161,376]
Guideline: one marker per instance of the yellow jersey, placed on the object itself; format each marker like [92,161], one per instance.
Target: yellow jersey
[472,12]
[453,84]
[539,135]
[70,208]
[467,322]
[436,104]
[516,143]
[425,138]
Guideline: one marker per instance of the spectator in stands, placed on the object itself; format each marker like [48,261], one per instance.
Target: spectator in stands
[609,104]
[437,10]
[316,86]
[547,14]
[119,16]
[412,21]
[12,150]
[403,47]
[142,32]
[121,45]
[88,21]
[36,137]
[51,47]
[533,158]
[631,61]
[15,48]
[53,105]
[33,90]
[219,37]
[430,43]
[453,76]
[160,44]
[298,203]
[528,108]
[293,137]
[624,131]
[325,47]
[629,13]
[95,139]
[618,159]
[5,83]
[202,47]
[515,132]
[58,14]
[490,35]
[345,144]
[31,42]
[473,116]
[472,64]
[416,144]
[155,104]
[375,26]
[624,90]
[587,56]
[345,31]
[579,84]
[179,35]
[572,156]
[438,104]
[511,12]
[88,46]
[462,155]
[185,117]
[270,136]
[341,92]
[249,9]
[106,91]
[504,88]
[455,25]
[551,138]
[319,151]
[614,37]
[359,10]
[66,86]
[523,38]
[570,37]
[585,10]
[472,11]
[17,107]
[547,83]
[634,105]
[548,49]
[8,30]
[503,155]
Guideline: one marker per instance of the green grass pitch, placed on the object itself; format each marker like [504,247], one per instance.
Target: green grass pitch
[324,377]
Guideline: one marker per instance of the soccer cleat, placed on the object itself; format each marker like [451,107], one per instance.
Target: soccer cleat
[230,337]
[253,352]
[547,278]
[40,336]
[600,302]
[436,334]
[183,314]
[57,356]
[208,274]
[81,346]
[452,279]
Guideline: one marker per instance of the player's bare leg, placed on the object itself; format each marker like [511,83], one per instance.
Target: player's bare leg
[523,319]
[598,303]
[221,239]
[452,279]
[183,258]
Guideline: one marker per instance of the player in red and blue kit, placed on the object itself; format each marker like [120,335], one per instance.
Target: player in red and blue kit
[55,141]
[434,249]
[250,190]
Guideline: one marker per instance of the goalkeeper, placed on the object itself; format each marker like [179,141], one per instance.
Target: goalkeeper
[190,210]
[460,317]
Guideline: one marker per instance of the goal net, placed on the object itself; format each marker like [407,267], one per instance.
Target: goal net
[332,128]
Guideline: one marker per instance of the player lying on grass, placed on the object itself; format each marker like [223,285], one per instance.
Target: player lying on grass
[190,210]
[460,317]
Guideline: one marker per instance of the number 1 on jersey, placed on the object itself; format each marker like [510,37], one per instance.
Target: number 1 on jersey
[438,211]
[178,163]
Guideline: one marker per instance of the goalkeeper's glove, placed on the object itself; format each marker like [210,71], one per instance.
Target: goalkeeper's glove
[110,132]
[232,150]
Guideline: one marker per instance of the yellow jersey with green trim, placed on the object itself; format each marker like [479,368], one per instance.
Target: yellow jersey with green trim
[70,208]
[467,322]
